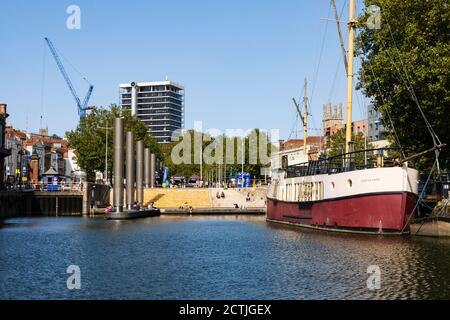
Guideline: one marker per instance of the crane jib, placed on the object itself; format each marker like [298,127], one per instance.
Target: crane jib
[81,106]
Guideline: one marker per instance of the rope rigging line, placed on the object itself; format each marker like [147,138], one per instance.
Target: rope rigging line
[318,64]
[443,210]
[410,88]
[377,84]
[359,38]
[411,91]
[42,84]
[316,72]
[320,57]
[422,203]
[434,137]
[333,83]
[293,126]
[420,196]
[339,60]
[359,100]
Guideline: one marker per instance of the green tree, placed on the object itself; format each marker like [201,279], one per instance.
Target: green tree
[409,54]
[253,168]
[184,169]
[89,138]
[336,146]
[212,170]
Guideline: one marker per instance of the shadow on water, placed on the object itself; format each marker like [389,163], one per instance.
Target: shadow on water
[17,223]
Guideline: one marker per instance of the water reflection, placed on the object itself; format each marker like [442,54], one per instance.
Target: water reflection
[204,257]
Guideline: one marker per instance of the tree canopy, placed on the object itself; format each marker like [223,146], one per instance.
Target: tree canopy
[409,57]
[336,146]
[89,138]
[257,149]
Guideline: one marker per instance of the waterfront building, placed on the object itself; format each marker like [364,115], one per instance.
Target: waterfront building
[360,126]
[160,105]
[4,152]
[39,148]
[16,166]
[314,145]
[73,170]
[31,155]
[51,153]
[290,152]
[376,128]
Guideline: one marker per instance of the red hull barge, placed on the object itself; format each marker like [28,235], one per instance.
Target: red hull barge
[366,213]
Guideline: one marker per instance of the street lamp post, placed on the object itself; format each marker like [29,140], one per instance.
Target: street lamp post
[201,161]
[243,160]
[106,150]
[106,153]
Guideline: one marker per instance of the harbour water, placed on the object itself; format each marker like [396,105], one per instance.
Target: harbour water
[205,257]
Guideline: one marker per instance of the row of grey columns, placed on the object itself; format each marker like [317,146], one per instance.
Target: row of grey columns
[140,170]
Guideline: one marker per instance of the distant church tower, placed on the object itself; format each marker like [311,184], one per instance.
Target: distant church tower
[332,120]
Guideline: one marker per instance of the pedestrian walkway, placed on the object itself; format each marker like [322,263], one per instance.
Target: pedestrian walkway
[175,198]
[205,198]
[257,198]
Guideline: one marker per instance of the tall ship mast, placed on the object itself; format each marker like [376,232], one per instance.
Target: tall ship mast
[343,193]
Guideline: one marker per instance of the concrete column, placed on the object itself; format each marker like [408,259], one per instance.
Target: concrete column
[118,164]
[152,170]
[146,167]
[130,169]
[133,99]
[86,199]
[140,171]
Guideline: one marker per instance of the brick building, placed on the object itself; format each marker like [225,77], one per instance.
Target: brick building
[51,153]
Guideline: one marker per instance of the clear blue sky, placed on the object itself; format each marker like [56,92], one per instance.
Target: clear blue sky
[240,61]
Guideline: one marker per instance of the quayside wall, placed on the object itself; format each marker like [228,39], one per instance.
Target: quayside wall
[23,203]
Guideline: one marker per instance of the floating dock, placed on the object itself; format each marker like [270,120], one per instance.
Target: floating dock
[132,214]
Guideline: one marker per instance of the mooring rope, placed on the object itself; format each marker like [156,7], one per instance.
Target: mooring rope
[420,196]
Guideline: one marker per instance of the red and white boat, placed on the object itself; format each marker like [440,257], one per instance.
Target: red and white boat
[340,195]
[375,200]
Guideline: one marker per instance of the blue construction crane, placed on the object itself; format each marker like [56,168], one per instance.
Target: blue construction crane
[82,106]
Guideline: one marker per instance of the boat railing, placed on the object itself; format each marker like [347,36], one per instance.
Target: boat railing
[352,161]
